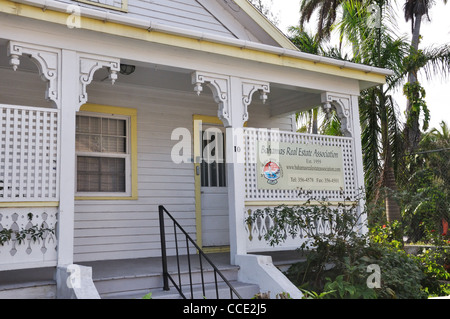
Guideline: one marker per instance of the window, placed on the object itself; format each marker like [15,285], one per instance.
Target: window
[213,165]
[121,5]
[104,154]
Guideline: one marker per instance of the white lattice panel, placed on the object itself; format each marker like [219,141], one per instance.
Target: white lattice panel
[29,154]
[28,254]
[252,136]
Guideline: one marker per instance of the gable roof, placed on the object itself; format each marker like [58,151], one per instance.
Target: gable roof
[236,19]
[119,24]
[249,23]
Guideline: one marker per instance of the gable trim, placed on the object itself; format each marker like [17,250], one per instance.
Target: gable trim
[266,25]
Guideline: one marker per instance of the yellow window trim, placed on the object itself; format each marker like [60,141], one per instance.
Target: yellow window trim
[132,113]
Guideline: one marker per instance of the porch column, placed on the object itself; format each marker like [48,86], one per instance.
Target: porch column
[358,158]
[77,73]
[233,95]
[348,112]
[69,107]
[235,171]
[241,94]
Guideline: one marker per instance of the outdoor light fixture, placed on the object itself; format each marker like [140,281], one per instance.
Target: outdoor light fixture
[127,69]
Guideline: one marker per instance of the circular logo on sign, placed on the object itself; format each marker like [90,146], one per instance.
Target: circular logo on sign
[272,172]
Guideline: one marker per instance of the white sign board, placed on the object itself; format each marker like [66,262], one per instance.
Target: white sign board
[288,166]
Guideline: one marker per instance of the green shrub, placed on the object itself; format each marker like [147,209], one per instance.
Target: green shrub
[337,261]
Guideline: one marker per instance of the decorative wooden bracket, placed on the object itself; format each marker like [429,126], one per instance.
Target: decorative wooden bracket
[220,87]
[342,105]
[89,64]
[46,59]
[249,87]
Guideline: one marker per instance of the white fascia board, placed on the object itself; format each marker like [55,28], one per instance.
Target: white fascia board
[149,25]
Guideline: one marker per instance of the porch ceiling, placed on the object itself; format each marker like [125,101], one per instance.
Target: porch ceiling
[282,100]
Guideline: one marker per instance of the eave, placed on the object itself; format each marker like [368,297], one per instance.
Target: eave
[118,25]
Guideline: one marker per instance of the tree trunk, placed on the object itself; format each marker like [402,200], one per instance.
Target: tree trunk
[412,128]
[392,208]
[314,121]
[389,182]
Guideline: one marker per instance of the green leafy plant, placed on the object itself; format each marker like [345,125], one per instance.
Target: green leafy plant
[309,294]
[34,232]
[343,289]
[148,296]
[338,259]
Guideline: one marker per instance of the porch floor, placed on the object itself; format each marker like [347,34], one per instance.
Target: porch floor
[127,270]
[145,266]
[148,266]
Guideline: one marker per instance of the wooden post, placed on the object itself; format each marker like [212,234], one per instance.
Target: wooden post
[69,106]
[235,171]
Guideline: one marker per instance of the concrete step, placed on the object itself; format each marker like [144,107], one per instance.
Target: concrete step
[32,290]
[135,287]
[246,291]
[143,283]
[35,283]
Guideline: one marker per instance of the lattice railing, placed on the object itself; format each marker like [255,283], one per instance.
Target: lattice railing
[253,193]
[258,198]
[29,154]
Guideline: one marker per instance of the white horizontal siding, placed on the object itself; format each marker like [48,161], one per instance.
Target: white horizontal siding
[133,226]
[185,14]
[130,228]
[125,229]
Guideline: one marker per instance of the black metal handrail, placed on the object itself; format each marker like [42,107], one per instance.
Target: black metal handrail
[189,240]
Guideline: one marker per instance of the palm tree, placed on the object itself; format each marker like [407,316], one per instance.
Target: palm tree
[381,139]
[415,11]
[435,152]
[309,43]
[327,14]
[309,120]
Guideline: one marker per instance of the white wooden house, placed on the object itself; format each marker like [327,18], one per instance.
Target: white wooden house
[106,108]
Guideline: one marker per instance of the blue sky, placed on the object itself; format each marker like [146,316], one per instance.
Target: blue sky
[435,33]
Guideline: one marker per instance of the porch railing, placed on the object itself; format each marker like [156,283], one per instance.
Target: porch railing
[190,243]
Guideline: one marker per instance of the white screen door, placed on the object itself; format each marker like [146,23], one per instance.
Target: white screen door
[214,192]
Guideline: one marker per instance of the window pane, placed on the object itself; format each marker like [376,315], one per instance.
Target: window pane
[112,144]
[102,135]
[100,174]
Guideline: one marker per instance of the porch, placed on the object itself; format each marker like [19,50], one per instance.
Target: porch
[112,226]
[134,278]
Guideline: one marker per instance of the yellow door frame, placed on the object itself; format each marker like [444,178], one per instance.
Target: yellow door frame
[197,120]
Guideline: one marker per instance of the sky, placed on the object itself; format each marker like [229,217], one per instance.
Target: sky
[436,32]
